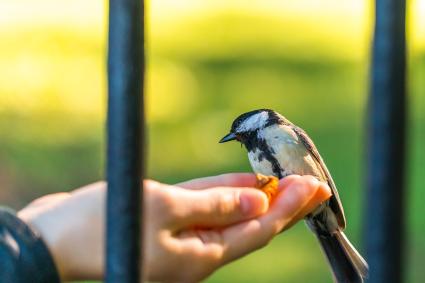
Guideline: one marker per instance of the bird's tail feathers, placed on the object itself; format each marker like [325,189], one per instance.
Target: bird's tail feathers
[348,266]
[355,256]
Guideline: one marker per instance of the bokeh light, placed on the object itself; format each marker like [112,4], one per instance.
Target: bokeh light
[207,61]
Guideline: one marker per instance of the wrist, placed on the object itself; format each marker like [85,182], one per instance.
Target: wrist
[71,225]
[50,236]
[30,251]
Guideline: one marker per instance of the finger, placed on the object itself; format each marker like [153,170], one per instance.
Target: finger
[224,180]
[307,187]
[323,193]
[257,232]
[221,206]
[287,181]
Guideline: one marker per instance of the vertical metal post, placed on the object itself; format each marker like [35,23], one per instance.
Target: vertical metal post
[125,141]
[384,233]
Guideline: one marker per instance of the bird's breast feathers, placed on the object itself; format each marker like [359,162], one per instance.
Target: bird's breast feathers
[286,148]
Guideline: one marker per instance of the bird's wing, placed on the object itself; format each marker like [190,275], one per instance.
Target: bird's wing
[335,201]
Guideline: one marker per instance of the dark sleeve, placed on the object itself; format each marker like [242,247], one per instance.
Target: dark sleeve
[23,255]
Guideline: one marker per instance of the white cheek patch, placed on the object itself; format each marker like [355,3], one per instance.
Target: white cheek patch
[277,134]
[256,121]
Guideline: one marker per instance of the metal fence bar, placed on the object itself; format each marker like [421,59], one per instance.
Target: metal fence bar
[125,140]
[384,233]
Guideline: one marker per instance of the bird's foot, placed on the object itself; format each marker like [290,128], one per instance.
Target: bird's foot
[267,184]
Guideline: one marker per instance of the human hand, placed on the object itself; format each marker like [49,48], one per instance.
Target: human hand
[191,229]
[216,246]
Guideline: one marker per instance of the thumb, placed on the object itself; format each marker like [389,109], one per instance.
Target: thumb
[222,206]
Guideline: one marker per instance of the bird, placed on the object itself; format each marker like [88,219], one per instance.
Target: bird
[279,148]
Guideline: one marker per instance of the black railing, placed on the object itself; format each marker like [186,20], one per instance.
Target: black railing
[125,141]
[384,218]
[386,143]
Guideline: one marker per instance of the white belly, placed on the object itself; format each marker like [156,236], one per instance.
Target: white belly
[291,154]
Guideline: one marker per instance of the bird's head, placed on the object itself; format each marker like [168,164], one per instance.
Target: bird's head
[246,127]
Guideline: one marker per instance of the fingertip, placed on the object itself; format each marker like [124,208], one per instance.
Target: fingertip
[311,182]
[323,192]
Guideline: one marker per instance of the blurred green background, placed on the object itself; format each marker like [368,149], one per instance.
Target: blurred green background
[207,62]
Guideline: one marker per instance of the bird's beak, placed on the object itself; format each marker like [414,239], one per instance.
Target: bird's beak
[228,137]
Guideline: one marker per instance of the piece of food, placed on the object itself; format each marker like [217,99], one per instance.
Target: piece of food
[268,184]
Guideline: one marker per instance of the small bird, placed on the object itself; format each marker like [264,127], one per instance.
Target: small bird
[278,147]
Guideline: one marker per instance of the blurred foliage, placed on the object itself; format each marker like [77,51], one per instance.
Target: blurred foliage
[207,62]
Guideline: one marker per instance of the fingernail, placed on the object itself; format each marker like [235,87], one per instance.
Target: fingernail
[252,202]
